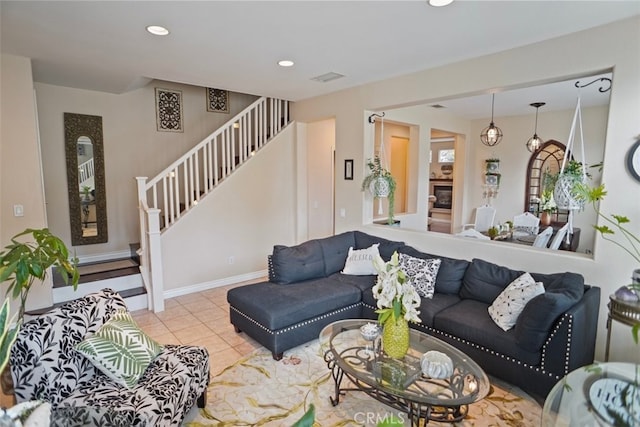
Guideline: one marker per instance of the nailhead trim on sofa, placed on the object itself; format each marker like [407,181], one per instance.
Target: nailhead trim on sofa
[509,358]
[297,325]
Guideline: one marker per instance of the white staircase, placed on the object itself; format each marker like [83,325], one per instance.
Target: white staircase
[168,197]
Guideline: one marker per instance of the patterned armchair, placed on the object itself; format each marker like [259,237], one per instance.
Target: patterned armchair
[45,366]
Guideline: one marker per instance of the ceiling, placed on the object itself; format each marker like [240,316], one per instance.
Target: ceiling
[235,45]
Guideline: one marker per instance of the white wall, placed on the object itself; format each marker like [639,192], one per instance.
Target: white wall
[20,167]
[247,214]
[132,147]
[614,46]
[321,137]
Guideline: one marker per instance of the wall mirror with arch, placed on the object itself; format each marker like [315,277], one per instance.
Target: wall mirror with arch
[85,179]
[464,117]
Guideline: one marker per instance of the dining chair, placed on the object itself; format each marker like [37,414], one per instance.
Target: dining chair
[557,239]
[484,218]
[526,223]
[543,238]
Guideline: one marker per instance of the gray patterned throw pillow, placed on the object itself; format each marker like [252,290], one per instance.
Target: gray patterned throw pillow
[421,273]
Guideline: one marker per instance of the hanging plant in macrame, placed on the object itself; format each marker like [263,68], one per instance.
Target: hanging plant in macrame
[380,184]
[567,192]
[572,173]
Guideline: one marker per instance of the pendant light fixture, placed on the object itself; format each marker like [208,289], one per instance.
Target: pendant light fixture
[492,134]
[535,142]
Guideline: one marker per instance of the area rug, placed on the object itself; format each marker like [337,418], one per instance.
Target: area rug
[258,391]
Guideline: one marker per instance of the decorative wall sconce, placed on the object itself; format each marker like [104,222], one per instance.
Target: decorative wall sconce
[492,134]
[535,142]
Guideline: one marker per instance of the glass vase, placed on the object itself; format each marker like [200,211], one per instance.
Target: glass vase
[395,337]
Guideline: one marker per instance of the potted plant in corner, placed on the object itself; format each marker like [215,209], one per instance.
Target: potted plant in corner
[22,262]
[380,184]
[630,243]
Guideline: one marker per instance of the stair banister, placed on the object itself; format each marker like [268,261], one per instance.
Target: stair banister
[195,174]
[201,143]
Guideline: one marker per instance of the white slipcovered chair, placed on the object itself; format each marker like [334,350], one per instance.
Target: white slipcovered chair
[557,239]
[543,238]
[525,224]
[484,217]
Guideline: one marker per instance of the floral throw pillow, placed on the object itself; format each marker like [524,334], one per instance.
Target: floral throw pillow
[120,349]
[506,308]
[421,273]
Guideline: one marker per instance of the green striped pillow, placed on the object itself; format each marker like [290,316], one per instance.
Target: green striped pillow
[120,349]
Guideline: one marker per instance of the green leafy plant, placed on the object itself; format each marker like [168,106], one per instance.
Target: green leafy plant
[86,190]
[614,223]
[493,232]
[377,172]
[7,335]
[308,418]
[21,263]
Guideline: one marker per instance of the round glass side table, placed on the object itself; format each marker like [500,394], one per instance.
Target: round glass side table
[592,395]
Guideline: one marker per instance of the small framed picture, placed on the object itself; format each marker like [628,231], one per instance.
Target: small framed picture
[168,110]
[348,169]
[217,100]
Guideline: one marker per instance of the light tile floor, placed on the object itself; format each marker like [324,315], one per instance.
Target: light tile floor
[201,318]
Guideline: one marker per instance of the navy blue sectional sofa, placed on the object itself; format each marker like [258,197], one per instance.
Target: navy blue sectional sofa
[306,291]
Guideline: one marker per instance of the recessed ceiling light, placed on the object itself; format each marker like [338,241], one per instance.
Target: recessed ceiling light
[157,30]
[440,3]
[285,63]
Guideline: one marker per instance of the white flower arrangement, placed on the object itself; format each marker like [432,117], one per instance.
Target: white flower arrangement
[394,293]
[547,202]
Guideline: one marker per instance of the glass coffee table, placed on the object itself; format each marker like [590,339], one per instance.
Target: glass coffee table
[401,383]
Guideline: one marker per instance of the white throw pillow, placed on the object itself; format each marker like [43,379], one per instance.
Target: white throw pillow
[360,261]
[509,304]
[421,273]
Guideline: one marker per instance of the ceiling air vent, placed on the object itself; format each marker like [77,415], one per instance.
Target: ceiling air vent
[437,106]
[327,77]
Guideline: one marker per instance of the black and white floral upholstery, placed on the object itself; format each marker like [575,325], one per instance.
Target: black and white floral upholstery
[45,366]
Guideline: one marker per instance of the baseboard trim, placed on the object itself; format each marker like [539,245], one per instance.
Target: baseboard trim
[185,290]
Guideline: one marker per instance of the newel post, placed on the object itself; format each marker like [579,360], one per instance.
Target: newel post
[142,198]
[155,259]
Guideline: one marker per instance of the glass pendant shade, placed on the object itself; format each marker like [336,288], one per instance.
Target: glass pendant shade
[492,134]
[535,142]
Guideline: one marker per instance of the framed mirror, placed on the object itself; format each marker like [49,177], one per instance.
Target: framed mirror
[542,170]
[85,179]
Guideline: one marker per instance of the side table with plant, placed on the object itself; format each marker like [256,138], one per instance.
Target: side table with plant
[616,223]
[397,302]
